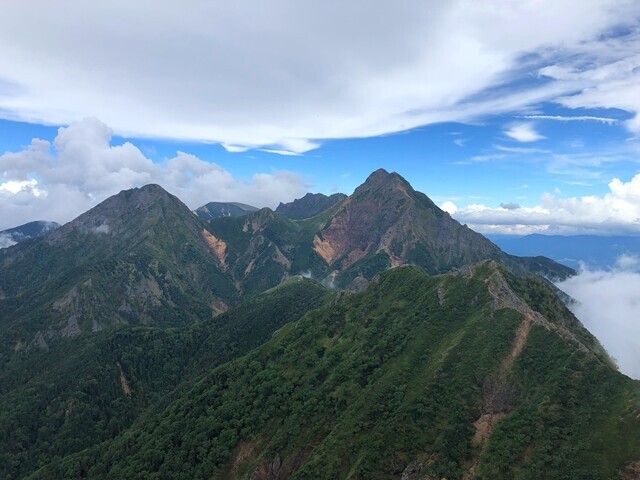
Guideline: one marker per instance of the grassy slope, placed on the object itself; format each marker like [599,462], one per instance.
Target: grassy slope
[397,375]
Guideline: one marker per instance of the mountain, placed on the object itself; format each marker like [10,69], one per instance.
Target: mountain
[573,250]
[224,209]
[29,230]
[474,374]
[140,340]
[310,205]
[83,391]
[140,257]
[384,224]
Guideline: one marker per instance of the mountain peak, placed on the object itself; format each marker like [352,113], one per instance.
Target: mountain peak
[382,179]
[127,211]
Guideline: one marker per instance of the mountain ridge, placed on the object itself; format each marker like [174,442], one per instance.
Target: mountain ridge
[309,206]
[471,374]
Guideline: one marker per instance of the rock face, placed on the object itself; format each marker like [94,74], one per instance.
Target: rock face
[386,223]
[310,205]
[214,210]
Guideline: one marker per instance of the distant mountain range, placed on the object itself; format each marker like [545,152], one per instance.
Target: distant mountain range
[310,205]
[594,252]
[143,341]
[25,232]
[213,210]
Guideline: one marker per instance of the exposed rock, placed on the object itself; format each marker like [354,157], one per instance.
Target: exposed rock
[219,307]
[39,342]
[71,329]
[412,471]
[125,307]
[218,246]
[441,296]
[95,326]
[67,301]
[358,285]
[124,382]
[631,471]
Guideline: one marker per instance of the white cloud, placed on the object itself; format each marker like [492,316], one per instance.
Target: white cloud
[523,132]
[609,71]
[40,183]
[449,207]
[285,75]
[6,241]
[578,118]
[618,211]
[607,304]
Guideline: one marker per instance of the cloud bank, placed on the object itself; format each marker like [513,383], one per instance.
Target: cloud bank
[607,304]
[616,212]
[81,168]
[286,75]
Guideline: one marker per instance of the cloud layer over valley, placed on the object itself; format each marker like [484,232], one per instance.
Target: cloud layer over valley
[608,303]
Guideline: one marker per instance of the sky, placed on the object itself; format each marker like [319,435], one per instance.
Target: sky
[515,117]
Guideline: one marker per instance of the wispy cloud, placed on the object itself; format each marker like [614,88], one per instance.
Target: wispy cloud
[523,132]
[580,118]
[286,153]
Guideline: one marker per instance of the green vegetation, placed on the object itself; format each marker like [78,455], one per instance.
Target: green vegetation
[65,399]
[395,376]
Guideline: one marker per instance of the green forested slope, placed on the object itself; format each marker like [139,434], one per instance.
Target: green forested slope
[470,375]
[86,390]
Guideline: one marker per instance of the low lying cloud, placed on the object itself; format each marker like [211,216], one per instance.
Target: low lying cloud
[6,241]
[607,303]
[58,181]
[616,212]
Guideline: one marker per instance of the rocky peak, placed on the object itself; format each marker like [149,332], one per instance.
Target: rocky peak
[383,181]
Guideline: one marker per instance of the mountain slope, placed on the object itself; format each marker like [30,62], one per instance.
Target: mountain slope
[310,205]
[386,223]
[224,209]
[477,374]
[140,257]
[29,230]
[82,392]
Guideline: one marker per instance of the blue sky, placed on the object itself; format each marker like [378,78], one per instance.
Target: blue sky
[515,118]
